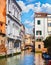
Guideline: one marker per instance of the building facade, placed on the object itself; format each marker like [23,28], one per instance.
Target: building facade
[22,34]
[42,29]
[2,26]
[42,25]
[28,39]
[13,26]
[10,25]
[49,24]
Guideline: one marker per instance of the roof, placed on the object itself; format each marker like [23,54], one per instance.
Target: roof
[40,14]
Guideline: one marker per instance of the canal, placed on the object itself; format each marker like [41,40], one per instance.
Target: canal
[24,59]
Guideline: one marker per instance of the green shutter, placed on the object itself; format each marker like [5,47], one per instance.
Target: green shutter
[38,22]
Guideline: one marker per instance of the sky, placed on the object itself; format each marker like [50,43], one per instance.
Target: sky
[29,7]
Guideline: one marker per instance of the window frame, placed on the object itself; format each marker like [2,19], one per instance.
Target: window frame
[38,22]
[37,32]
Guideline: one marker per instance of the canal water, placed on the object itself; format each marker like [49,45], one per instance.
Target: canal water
[24,59]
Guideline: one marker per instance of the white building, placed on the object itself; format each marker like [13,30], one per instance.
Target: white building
[13,24]
[42,25]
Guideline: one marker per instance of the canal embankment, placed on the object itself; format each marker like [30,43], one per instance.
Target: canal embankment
[9,55]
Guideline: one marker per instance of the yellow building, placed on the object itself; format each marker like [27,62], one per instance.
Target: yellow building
[39,46]
[28,39]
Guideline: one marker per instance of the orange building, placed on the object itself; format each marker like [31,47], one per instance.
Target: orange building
[2,24]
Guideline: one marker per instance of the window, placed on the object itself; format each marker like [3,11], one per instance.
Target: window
[39,46]
[49,31]
[8,21]
[13,10]
[15,13]
[49,24]
[16,45]
[1,24]
[38,22]
[38,32]
[9,6]
[9,1]
[38,39]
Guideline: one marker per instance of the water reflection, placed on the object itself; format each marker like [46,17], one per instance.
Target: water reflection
[3,61]
[38,59]
[26,58]
[14,60]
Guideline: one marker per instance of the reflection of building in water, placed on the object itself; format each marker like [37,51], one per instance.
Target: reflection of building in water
[3,61]
[38,59]
[28,59]
[22,55]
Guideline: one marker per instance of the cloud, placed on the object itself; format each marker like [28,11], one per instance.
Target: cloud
[28,30]
[32,16]
[25,8]
[36,7]
[26,22]
[29,23]
[46,7]
[30,26]
[22,5]
[30,0]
